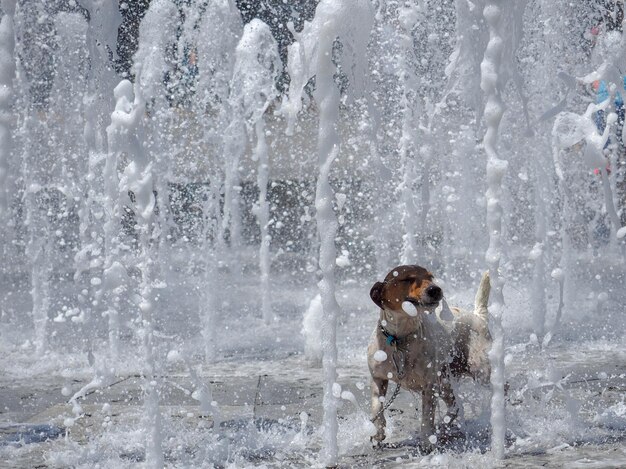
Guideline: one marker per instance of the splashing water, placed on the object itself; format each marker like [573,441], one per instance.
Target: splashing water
[196,198]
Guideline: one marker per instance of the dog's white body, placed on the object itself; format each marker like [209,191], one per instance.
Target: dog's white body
[423,352]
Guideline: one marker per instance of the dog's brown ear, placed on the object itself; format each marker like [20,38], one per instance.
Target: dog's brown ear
[376,294]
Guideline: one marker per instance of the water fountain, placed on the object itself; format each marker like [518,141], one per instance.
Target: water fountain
[147,207]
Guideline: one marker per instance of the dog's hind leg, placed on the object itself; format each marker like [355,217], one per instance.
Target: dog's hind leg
[453,412]
[379,389]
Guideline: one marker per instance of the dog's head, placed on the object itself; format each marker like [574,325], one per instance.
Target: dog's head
[410,283]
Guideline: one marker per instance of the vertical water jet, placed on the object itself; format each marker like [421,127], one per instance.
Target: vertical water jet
[496,167]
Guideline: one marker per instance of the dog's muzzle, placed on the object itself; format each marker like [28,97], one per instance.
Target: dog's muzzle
[431,297]
[434,293]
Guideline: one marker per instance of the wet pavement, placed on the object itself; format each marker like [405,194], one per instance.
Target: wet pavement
[566,409]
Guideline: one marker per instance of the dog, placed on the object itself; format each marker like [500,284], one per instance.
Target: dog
[421,350]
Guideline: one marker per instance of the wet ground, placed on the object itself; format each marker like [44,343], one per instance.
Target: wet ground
[566,409]
[566,404]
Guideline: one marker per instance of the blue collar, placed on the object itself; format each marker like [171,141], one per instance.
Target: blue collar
[390,339]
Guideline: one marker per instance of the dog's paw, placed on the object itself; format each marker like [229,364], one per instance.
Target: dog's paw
[378,438]
[376,444]
[427,446]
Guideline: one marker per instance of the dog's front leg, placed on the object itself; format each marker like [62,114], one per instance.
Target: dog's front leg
[428,417]
[379,389]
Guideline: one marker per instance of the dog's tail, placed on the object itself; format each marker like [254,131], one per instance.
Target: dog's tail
[482,297]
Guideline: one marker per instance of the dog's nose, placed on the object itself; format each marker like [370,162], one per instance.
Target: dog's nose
[434,292]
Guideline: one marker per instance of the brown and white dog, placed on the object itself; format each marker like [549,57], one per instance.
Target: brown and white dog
[421,350]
